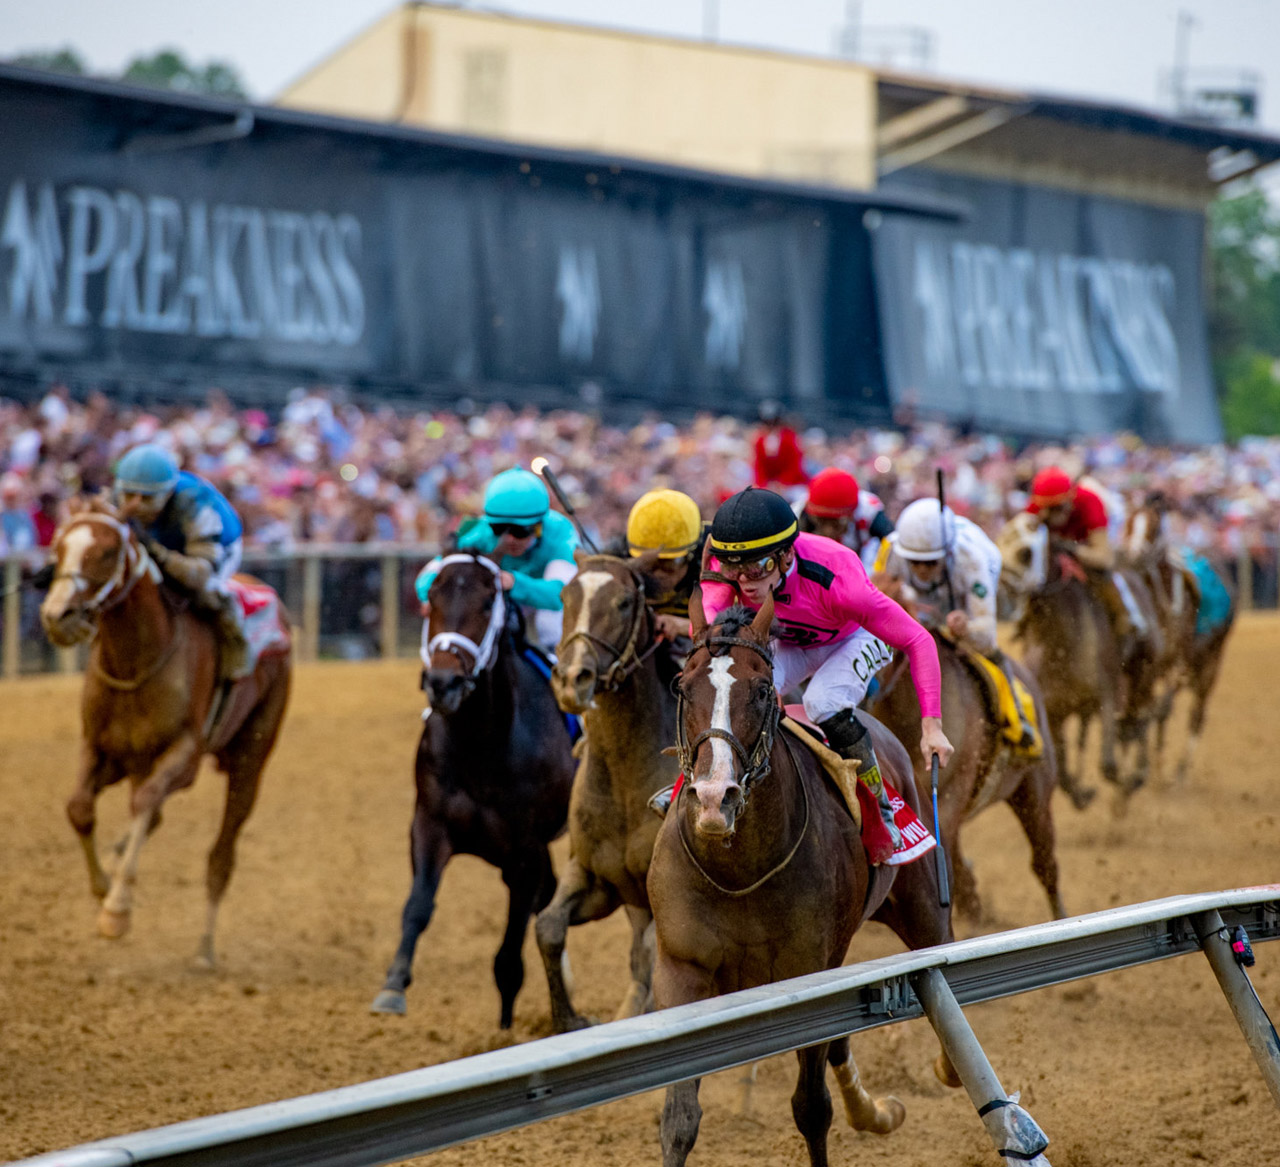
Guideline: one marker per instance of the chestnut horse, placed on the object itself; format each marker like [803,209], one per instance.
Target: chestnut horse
[149,692]
[1191,658]
[758,873]
[984,769]
[608,673]
[493,768]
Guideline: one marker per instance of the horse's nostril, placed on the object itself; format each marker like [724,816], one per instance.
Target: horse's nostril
[583,676]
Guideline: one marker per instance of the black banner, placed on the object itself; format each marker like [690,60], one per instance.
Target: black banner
[1047,312]
[135,248]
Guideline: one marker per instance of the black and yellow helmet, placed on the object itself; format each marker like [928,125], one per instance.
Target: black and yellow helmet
[752,524]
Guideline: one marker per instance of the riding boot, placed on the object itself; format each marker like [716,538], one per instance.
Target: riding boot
[1029,737]
[233,647]
[850,739]
[660,801]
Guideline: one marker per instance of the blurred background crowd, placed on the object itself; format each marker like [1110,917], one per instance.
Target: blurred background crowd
[327,470]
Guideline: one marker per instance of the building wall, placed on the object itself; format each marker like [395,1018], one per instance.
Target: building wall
[709,107]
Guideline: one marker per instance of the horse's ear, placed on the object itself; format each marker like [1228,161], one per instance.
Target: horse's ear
[764,620]
[580,557]
[647,562]
[697,614]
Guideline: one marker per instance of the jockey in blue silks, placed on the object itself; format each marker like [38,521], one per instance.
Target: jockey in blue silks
[531,543]
[193,534]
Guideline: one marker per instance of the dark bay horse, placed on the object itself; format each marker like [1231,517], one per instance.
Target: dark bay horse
[983,770]
[758,872]
[493,768]
[608,673]
[1191,659]
[149,690]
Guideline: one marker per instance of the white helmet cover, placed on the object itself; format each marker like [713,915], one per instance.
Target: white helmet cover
[923,533]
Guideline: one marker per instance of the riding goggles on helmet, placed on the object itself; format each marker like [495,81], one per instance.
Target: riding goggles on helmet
[515,530]
[755,570]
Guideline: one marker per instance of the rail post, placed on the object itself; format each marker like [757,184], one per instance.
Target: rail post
[310,645]
[12,655]
[1013,1131]
[390,606]
[1244,580]
[69,660]
[1252,1018]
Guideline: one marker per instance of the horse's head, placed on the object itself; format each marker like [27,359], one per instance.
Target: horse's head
[97,561]
[1024,548]
[460,640]
[727,698]
[604,621]
[1144,532]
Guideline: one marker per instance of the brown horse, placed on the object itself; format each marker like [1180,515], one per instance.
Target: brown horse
[983,770]
[758,873]
[1190,660]
[493,769]
[608,673]
[149,692]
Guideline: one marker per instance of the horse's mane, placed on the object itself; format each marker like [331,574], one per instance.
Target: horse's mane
[732,621]
[97,504]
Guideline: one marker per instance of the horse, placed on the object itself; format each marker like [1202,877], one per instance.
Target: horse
[1192,657]
[608,672]
[984,769]
[1072,653]
[493,768]
[758,872]
[151,705]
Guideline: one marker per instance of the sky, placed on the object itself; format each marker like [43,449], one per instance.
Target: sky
[1100,49]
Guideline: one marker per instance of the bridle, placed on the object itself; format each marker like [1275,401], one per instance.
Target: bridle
[625,659]
[132,563]
[482,654]
[757,762]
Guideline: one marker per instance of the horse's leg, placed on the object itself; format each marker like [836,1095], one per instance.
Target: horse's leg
[967,904]
[429,850]
[878,1115]
[1072,784]
[93,774]
[1202,683]
[579,897]
[811,1102]
[176,763]
[524,880]
[1107,717]
[1032,802]
[679,983]
[637,999]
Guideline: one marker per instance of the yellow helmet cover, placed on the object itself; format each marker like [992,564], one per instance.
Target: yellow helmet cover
[665,519]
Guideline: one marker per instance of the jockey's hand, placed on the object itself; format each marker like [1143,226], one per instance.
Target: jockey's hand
[670,627]
[424,609]
[958,623]
[508,581]
[934,741]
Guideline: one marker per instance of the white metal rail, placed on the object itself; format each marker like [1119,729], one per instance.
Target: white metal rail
[425,1110]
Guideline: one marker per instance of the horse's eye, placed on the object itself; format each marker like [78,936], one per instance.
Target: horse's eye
[1024,556]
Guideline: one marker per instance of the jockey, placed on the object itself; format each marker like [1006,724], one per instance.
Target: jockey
[532,544]
[193,534]
[670,523]
[1077,520]
[837,509]
[831,626]
[947,561]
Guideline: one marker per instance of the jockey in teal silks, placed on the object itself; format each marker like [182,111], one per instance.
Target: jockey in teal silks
[193,534]
[531,543]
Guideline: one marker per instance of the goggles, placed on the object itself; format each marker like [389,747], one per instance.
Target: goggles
[515,530]
[755,570]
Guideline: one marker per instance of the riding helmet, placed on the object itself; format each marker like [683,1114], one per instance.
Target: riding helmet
[665,520]
[752,524]
[147,469]
[516,496]
[833,494]
[1051,486]
[924,531]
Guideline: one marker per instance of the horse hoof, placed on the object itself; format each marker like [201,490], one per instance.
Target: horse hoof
[1081,797]
[576,1022]
[945,1072]
[389,1001]
[890,1115]
[204,960]
[111,924]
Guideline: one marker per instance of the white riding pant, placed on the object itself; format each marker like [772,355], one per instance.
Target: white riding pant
[548,625]
[838,674]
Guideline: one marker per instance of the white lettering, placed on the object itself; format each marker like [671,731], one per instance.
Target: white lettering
[37,251]
[82,260]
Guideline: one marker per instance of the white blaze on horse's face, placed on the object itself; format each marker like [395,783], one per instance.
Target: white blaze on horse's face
[1138,529]
[712,787]
[70,582]
[573,681]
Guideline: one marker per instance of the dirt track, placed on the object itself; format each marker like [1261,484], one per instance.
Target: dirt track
[96,1038]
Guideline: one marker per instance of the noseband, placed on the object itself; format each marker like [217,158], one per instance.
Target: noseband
[132,563]
[482,654]
[757,763]
[625,660]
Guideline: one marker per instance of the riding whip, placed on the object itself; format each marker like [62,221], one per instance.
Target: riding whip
[944,884]
[542,468]
[946,543]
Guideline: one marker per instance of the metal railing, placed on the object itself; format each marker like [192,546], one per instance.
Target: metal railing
[356,601]
[412,1114]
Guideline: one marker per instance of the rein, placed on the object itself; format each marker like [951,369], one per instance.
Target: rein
[786,860]
[482,654]
[625,660]
[129,684]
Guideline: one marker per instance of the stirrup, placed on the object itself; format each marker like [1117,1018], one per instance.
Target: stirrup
[660,801]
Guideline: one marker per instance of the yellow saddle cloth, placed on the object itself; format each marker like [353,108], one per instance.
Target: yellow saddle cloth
[1009,700]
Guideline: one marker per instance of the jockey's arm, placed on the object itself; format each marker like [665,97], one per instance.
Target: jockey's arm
[1096,551]
[978,579]
[191,569]
[543,594]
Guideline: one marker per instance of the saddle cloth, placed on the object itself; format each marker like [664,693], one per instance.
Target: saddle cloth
[991,675]
[542,661]
[260,612]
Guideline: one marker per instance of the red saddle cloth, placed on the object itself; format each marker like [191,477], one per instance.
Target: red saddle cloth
[916,838]
[261,618]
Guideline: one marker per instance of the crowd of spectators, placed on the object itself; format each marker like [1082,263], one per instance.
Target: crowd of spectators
[325,469]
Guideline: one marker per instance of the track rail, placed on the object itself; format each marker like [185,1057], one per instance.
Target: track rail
[411,1114]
